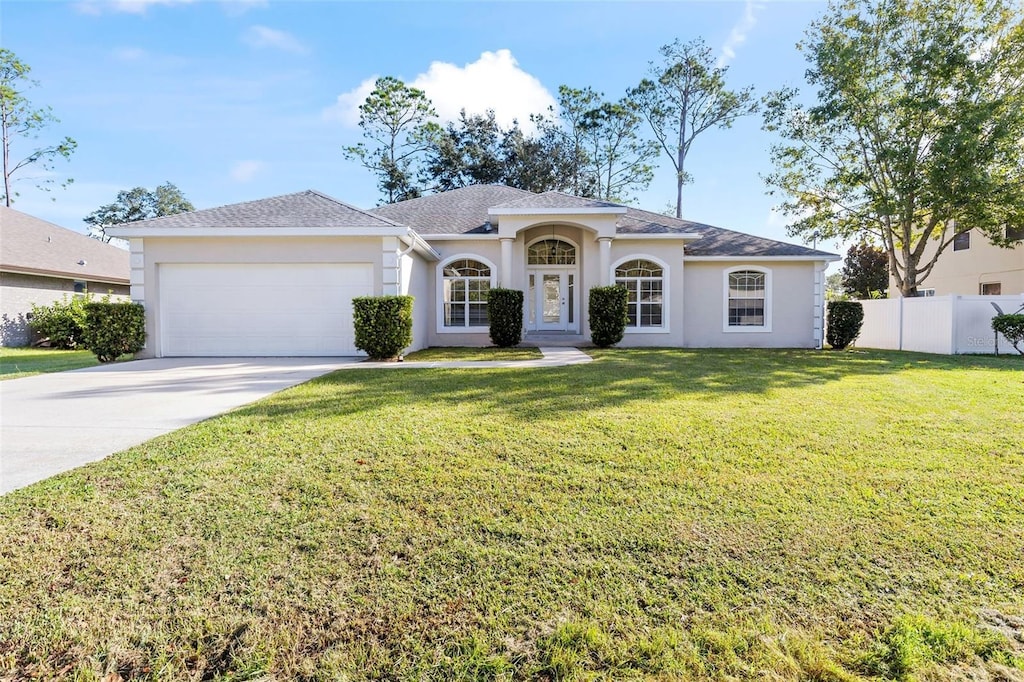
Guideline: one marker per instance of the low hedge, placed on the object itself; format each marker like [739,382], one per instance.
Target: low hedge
[845,319]
[383,325]
[114,329]
[609,314]
[505,316]
[61,322]
[1012,329]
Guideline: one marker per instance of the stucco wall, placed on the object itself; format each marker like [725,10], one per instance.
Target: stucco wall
[416,283]
[670,255]
[792,300]
[157,251]
[963,272]
[487,248]
[18,292]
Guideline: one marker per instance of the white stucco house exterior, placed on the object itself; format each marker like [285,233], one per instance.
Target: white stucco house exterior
[277,276]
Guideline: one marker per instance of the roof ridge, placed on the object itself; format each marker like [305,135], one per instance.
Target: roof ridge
[364,212]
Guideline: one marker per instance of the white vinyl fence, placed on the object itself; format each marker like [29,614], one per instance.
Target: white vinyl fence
[948,325]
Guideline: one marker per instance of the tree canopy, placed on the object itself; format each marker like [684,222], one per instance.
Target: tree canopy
[917,133]
[865,271]
[134,204]
[21,123]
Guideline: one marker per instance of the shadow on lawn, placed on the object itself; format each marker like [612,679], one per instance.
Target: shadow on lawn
[617,377]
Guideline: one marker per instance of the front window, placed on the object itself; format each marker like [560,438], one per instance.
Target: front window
[645,282]
[746,298]
[466,283]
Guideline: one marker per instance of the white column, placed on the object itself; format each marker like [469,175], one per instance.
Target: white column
[605,246]
[505,276]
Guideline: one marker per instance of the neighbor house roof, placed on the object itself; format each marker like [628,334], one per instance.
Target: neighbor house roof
[308,209]
[465,211]
[33,246]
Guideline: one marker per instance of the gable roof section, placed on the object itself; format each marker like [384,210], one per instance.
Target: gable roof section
[308,209]
[459,211]
[34,246]
[714,242]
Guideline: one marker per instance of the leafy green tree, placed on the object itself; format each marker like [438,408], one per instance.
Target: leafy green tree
[618,159]
[539,162]
[684,96]
[865,271]
[134,204]
[466,152]
[19,120]
[917,133]
[399,122]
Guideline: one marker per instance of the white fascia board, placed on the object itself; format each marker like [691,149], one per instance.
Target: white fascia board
[59,274]
[745,259]
[614,210]
[133,232]
[645,236]
[486,236]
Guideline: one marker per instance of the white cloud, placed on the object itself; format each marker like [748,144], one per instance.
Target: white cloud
[127,6]
[129,54]
[739,33]
[236,8]
[263,36]
[244,171]
[494,81]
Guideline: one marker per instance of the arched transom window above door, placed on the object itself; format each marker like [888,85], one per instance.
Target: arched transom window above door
[551,252]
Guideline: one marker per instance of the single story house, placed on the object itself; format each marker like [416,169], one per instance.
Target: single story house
[277,276]
[41,263]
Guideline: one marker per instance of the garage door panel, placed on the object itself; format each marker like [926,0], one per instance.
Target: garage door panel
[255,309]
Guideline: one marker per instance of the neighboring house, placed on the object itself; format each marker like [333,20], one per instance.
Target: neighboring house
[277,276]
[41,263]
[972,265]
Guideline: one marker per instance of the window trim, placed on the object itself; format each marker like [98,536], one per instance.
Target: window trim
[962,241]
[576,252]
[439,292]
[982,285]
[666,327]
[747,329]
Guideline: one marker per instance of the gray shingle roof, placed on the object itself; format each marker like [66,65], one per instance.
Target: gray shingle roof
[713,241]
[464,211]
[302,209]
[556,199]
[460,211]
[28,244]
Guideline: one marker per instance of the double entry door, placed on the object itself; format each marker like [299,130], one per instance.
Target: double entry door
[553,302]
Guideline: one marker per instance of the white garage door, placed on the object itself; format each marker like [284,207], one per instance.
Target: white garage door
[260,309]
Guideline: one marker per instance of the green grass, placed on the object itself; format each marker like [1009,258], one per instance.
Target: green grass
[25,362]
[655,514]
[473,354]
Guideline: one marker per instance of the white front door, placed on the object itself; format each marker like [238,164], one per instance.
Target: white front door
[553,303]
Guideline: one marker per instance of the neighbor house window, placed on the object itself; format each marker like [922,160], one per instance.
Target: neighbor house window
[924,293]
[747,299]
[991,288]
[1015,234]
[466,283]
[81,287]
[962,241]
[645,282]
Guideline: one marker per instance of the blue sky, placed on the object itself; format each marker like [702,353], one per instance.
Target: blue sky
[244,99]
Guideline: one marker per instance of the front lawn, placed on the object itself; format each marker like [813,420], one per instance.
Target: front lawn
[24,362]
[662,514]
[473,354]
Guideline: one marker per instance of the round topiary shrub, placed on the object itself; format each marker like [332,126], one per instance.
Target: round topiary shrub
[383,325]
[609,315]
[844,322]
[505,316]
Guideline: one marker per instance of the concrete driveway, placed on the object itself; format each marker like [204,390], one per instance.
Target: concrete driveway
[55,422]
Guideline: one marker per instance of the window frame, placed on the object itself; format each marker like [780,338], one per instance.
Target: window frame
[982,285]
[748,328]
[665,327]
[962,241]
[440,292]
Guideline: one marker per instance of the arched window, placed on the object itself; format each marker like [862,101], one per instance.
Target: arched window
[466,283]
[645,282]
[747,299]
[551,252]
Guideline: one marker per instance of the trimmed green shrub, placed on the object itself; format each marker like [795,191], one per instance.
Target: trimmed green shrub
[383,325]
[844,322]
[114,329]
[609,315]
[62,322]
[1012,329]
[505,315]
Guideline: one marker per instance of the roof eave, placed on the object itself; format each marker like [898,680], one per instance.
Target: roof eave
[63,274]
[827,257]
[594,210]
[365,231]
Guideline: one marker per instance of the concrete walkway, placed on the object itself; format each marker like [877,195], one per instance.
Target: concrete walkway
[51,423]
